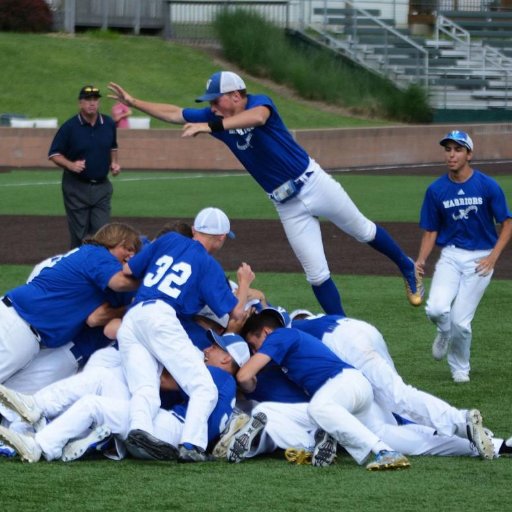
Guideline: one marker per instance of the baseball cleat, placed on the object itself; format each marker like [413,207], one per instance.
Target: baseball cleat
[387,460]
[237,421]
[296,456]
[478,435]
[241,444]
[26,446]
[440,346]
[75,449]
[460,377]
[324,452]
[156,448]
[24,405]
[189,453]
[414,285]
[7,451]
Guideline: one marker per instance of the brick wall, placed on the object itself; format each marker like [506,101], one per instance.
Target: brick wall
[332,148]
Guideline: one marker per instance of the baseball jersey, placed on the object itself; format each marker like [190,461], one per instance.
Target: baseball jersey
[319,325]
[268,152]
[272,385]
[226,386]
[76,139]
[304,359]
[464,214]
[58,301]
[179,271]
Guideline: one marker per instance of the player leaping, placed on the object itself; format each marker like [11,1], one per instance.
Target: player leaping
[300,189]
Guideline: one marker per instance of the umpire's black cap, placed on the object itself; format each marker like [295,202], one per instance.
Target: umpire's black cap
[89,91]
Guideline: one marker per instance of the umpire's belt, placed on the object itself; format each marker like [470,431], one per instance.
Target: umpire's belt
[8,303]
[84,179]
[290,188]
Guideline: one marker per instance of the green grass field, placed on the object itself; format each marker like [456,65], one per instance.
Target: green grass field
[271,483]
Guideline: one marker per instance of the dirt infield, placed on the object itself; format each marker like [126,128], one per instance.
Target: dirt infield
[30,239]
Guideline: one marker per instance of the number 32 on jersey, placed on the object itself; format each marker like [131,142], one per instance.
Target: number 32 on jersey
[169,276]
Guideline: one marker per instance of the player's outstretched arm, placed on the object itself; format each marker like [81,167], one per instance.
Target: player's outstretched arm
[245,277]
[163,111]
[427,244]
[246,376]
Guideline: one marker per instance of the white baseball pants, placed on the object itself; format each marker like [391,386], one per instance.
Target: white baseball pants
[289,426]
[321,196]
[362,345]
[455,292]
[150,336]
[342,407]
[18,344]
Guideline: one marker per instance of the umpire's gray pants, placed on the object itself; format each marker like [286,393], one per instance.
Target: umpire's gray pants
[87,206]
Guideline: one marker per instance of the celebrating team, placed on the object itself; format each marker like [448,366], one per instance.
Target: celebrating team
[171,310]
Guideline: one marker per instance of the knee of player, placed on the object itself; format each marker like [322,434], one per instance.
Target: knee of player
[436,312]
[318,277]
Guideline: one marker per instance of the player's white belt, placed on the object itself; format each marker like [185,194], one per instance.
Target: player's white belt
[290,188]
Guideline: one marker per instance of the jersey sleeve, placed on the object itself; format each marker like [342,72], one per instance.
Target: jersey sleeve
[429,215]
[216,291]
[277,345]
[197,115]
[499,205]
[59,144]
[103,267]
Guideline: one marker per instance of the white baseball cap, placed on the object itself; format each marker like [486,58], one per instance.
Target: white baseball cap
[213,221]
[220,83]
[208,313]
[233,344]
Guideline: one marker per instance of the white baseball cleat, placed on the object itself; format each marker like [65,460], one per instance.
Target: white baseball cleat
[75,449]
[24,405]
[477,434]
[460,377]
[236,423]
[241,444]
[440,346]
[26,446]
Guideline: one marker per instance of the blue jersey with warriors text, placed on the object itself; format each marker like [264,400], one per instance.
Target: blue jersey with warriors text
[268,152]
[58,301]
[464,214]
[304,359]
[179,271]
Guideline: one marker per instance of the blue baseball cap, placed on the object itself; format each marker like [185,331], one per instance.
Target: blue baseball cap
[233,344]
[220,83]
[461,138]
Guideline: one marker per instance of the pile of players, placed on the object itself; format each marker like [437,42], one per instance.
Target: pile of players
[105,348]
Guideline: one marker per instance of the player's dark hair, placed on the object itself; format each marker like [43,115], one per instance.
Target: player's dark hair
[115,233]
[257,321]
[179,227]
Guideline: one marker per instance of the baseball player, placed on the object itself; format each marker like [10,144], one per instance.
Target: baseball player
[458,214]
[53,308]
[99,399]
[178,277]
[287,426]
[340,396]
[362,345]
[300,189]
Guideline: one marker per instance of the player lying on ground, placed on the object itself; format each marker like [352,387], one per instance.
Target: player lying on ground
[94,404]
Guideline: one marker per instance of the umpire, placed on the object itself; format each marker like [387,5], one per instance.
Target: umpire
[85,146]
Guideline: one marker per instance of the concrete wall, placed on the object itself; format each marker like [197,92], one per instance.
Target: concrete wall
[332,148]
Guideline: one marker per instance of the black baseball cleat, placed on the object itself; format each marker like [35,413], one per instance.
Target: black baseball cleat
[192,453]
[154,447]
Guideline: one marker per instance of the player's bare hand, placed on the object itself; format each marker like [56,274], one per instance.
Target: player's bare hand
[420,267]
[193,129]
[485,266]
[245,273]
[119,94]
